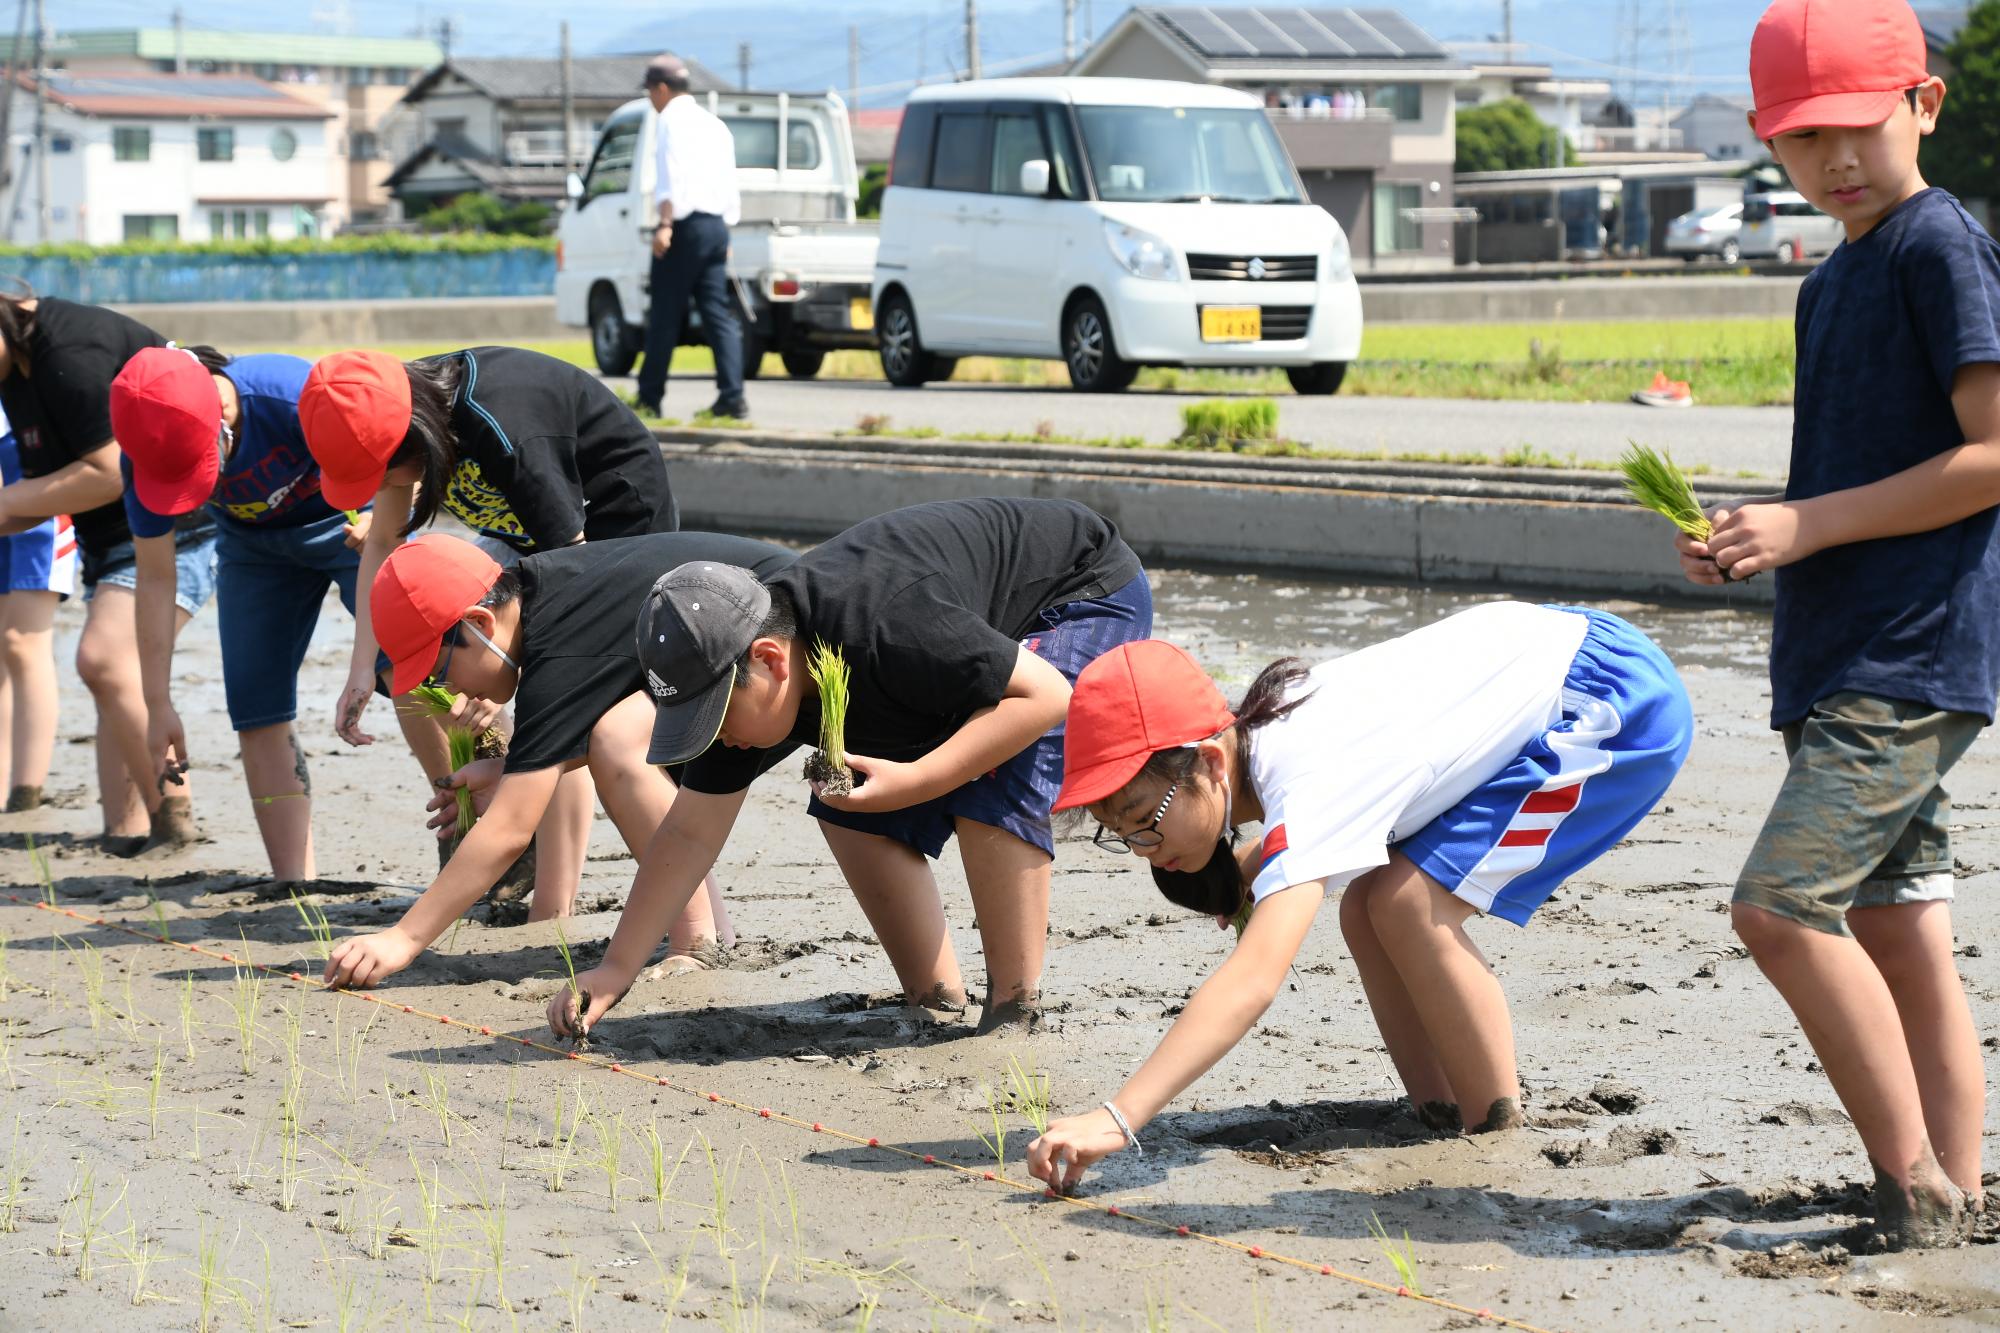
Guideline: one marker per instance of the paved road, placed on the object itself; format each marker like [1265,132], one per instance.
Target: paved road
[1728,439]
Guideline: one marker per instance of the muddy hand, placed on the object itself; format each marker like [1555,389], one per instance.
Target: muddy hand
[173,771]
[1072,1146]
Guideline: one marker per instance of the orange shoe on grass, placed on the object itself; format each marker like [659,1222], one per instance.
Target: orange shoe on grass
[1664,393]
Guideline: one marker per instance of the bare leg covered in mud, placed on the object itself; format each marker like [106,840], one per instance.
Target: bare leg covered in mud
[1909,1077]
[1009,880]
[1440,1009]
[893,883]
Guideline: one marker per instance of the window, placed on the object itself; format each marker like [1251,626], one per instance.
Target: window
[959,163]
[757,143]
[1396,233]
[60,143]
[131,143]
[611,167]
[363,146]
[1183,154]
[396,76]
[1065,174]
[266,71]
[152,227]
[452,127]
[1017,139]
[283,144]
[239,224]
[912,164]
[1404,100]
[305,223]
[215,145]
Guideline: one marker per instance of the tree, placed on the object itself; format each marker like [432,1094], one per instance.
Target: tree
[1509,136]
[1963,156]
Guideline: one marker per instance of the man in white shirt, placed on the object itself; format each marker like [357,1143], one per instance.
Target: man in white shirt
[694,189]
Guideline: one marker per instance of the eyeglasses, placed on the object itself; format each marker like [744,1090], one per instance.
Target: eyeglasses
[1149,836]
[454,640]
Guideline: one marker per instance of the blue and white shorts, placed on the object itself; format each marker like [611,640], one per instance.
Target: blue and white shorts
[1576,790]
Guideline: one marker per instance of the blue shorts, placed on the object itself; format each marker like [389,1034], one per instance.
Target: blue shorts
[1576,789]
[194,571]
[42,559]
[270,586]
[1017,795]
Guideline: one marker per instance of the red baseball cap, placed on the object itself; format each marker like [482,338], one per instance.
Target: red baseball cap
[419,593]
[1137,699]
[166,415]
[355,411]
[1834,62]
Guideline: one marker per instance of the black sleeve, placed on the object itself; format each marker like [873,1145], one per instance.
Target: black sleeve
[722,771]
[557,706]
[546,493]
[936,657]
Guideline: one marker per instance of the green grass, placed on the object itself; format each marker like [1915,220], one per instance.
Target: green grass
[1223,423]
[1730,362]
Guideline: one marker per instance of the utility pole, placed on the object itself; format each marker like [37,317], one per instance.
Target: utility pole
[1507,29]
[445,30]
[743,66]
[7,110]
[853,63]
[180,42]
[1069,30]
[971,39]
[41,124]
[568,109]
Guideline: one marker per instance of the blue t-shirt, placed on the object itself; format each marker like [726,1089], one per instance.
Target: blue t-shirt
[270,480]
[1883,326]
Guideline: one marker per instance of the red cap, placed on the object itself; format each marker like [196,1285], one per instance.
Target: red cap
[355,411]
[166,415]
[1834,62]
[1137,699]
[420,592]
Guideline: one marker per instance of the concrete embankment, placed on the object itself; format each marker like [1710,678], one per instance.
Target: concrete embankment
[533,319]
[1555,529]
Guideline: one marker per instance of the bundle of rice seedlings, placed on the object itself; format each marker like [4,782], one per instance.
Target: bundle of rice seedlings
[828,764]
[463,743]
[1656,484]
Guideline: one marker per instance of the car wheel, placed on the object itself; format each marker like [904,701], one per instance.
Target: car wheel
[1787,252]
[905,363]
[1730,252]
[803,363]
[1321,377]
[1090,353]
[612,341]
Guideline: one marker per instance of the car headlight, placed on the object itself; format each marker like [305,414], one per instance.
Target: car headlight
[1340,255]
[1142,254]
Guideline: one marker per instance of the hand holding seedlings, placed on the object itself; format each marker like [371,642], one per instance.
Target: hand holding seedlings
[1655,483]
[355,530]
[876,785]
[366,960]
[1071,1146]
[474,783]
[576,1008]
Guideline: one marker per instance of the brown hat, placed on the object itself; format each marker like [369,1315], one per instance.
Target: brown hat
[666,68]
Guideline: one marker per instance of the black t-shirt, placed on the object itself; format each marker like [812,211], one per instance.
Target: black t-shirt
[546,451]
[928,606]
[579,614]
[60,410]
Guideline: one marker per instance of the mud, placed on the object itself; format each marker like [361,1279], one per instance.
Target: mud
[1684,1163]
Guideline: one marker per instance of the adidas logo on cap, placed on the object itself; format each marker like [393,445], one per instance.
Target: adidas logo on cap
[660,688]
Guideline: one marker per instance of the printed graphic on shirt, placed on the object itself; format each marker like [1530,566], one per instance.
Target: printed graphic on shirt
[270,486]
[480,505]
[1274,847]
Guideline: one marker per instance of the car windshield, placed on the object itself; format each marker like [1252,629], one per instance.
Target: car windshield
[1186,154]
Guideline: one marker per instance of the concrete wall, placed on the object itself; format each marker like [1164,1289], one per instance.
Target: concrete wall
[245,326]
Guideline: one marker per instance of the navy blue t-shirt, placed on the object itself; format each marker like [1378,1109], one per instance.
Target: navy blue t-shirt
[270,481]
[1883,326]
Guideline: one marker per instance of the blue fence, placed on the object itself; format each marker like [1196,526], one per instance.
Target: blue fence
[138,279]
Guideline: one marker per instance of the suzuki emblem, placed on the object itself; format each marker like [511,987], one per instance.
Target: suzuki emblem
[1257,269]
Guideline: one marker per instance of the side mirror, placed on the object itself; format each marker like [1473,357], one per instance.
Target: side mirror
[573,187]
[1035,178]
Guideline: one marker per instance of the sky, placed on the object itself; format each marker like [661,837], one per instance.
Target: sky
[802,44]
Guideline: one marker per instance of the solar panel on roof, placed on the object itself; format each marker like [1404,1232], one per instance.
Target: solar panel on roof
[1353,27]
[1413,40]
[1261,27]
[1206,34]
[1315,37]
[1292,32]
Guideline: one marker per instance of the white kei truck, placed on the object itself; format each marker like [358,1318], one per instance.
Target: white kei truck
[800,263]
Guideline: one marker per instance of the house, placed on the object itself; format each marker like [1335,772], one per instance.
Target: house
[163,157]
[1362,98]
[1498,74]
[1717,127]
[1941,27]
[357,80]
[495,126]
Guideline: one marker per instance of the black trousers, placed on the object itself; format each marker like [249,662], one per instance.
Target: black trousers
[694,267]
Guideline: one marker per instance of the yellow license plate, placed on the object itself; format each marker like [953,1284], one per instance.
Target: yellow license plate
[860,315]
[1231,323]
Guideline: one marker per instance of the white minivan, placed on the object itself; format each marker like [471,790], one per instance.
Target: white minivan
[1114,223]
[1781,225]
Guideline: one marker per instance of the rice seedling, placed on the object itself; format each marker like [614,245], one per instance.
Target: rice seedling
[266,1292]
[1159,1311]
[187,1013]
[491,1218]
[437,1099]
[675,1286]
[4,973]
[90,964]
[577,1294]
[576,997]
[243,1002]
[1656,484]
[132,1014]
[430,1234]
[350,1312]
[13,1183]
[507,1114]
[159,919]
[89,1221]
[828,764]
[864,1313]
[462,742]
[997,1142]
[610,1149]
[662,1179]
[153,1090]
[210,1280]
[347,1049]
[1404,1261]
[313,917]
[562,1142]
[289,1135]
[140,1256]
[1028,1092]
[42,876]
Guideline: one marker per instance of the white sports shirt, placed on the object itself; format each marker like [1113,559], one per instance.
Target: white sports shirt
[1396,734]
[694,162]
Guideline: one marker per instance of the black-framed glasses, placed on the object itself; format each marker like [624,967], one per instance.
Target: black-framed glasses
[452,641]
[1149,836]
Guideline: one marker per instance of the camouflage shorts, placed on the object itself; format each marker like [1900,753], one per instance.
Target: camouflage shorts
[1863,819]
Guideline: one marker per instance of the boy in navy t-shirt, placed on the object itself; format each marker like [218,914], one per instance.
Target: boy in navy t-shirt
[1886,639]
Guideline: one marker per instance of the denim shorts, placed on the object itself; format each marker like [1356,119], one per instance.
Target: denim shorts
[1863,819]
[194,571]
[1017,795]
[270,586]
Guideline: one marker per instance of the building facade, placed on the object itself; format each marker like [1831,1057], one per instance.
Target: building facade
[162,157]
